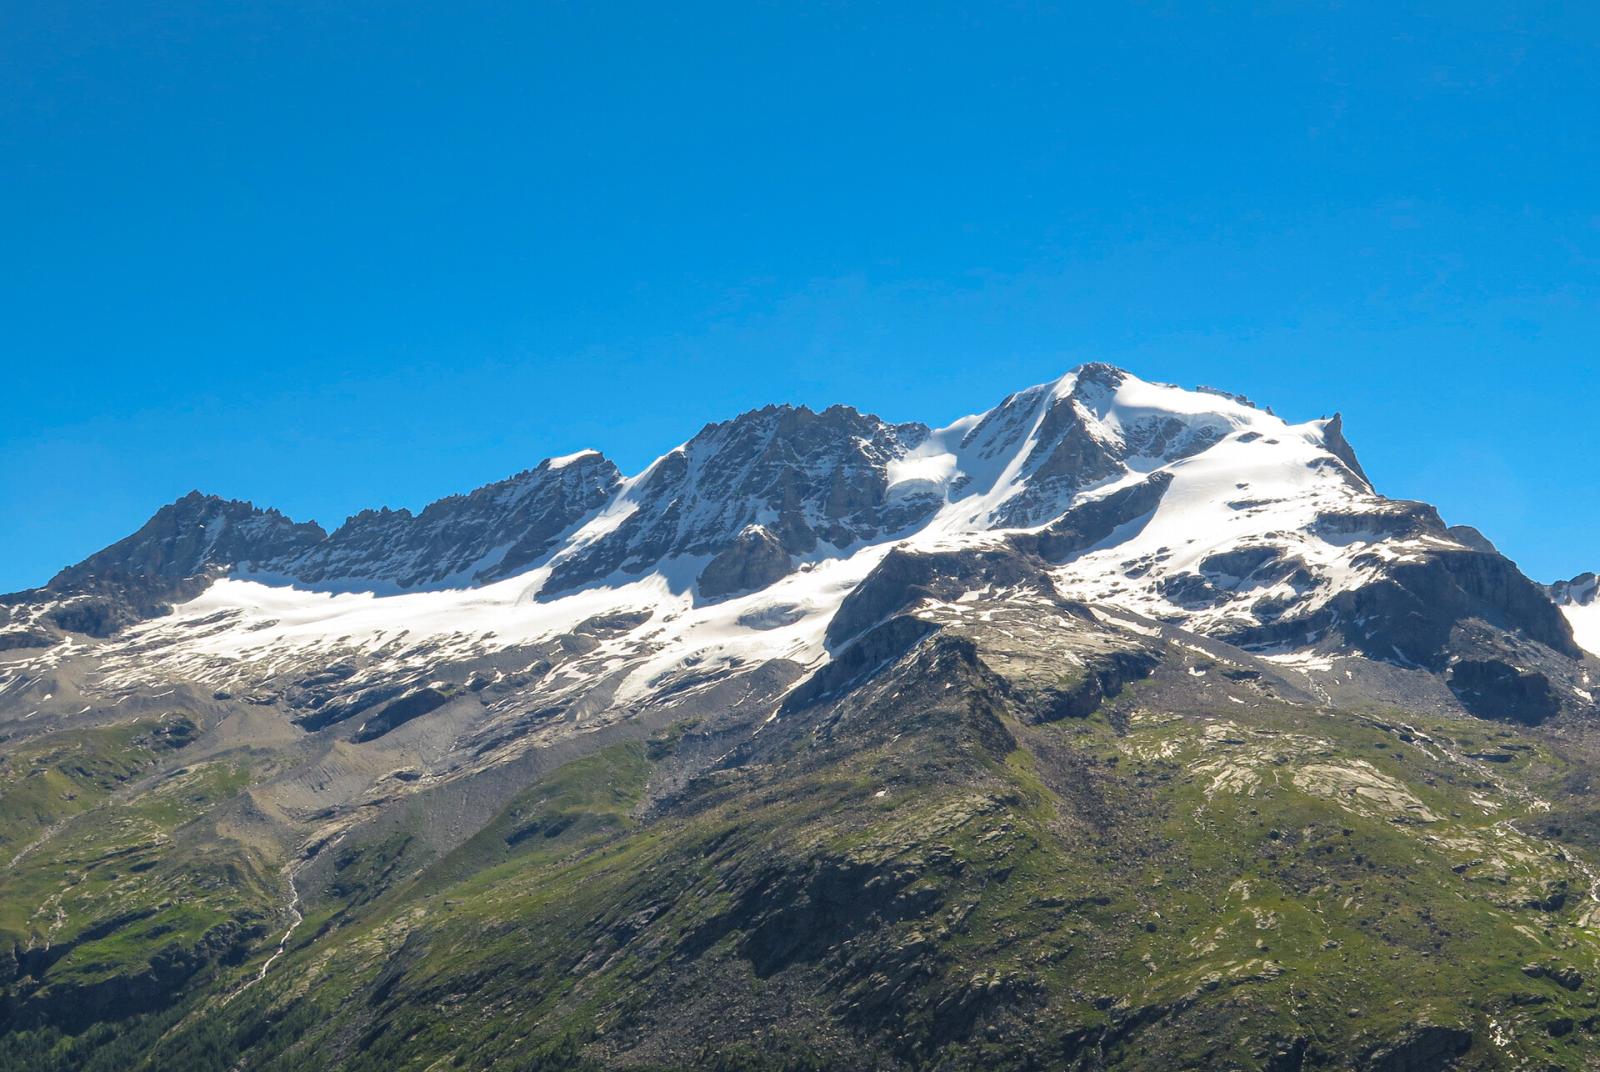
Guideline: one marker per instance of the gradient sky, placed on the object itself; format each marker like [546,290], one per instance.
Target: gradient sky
[328,256]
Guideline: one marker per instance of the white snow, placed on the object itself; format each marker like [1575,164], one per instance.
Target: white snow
[922,471]
[567,459]
[1585,622]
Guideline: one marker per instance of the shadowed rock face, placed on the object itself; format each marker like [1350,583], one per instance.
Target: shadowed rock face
[493,532]
[1339,446]
[172,558]
[1493,689]
[755,560]
[187,537]
[1085,525]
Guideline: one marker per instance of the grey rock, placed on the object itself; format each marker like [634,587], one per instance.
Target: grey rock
[808,478]
[755,560]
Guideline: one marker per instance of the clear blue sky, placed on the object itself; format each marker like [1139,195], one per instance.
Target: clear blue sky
[328,256]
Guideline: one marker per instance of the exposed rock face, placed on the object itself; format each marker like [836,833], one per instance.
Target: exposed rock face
[1494,689]
[1339,446]
[806,478]
[493,532]
[184,539]
[173,557]
[1072,450]
[755,560]
[1413,609]
[905,578]
[1085,525]
[1425,1048]
[410,706]
[1578,592]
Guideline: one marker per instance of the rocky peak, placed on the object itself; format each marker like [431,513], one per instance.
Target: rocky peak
[805,477]
[188,536]
[487,534]
[1094,425]
[1333,438]
[1581,591]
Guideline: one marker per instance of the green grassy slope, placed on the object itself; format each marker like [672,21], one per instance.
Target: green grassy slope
[922,879]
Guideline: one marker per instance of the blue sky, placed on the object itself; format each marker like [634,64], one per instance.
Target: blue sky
[327,256]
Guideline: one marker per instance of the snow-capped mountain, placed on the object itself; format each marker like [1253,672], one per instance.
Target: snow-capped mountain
[1191,508]
[825,683]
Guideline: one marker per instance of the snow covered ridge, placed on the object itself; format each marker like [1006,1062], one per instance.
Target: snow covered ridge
[1192,507]
[1579,600]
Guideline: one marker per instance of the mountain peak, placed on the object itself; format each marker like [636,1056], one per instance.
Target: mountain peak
[190,534]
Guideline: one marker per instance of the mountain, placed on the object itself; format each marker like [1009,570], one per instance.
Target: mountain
[1117,726]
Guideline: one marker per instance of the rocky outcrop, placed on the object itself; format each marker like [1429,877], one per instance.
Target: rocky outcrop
[755,560]
[1333,438]
[171,558]
[410,706]
[867,653]
[1428,611]
[905,578]
[1072,450]
[1102,677]
[1581,591]
[1491,688]
[1087,524]
[807,478]
[74,1006]
[186,538]
[1424,1048]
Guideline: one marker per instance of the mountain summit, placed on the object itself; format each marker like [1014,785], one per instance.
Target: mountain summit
[1119,725]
